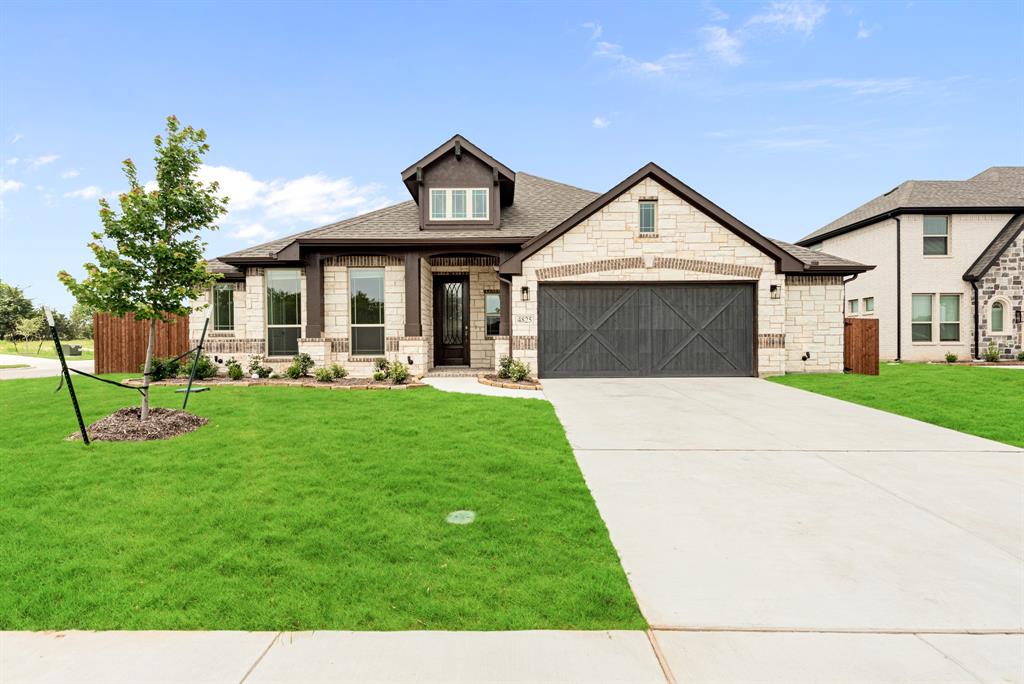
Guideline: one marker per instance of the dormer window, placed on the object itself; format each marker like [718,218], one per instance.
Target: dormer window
[459,204]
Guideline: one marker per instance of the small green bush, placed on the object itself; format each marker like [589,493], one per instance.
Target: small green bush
[518,371]
[294,371]
[304,361]
[163,367]
[338,371]
[381,364]
[951,357]
[206,368]
[379,375]
[235,371]
[398,372]
[257,367]
[323,374]
[992,353]
[503,365]
[1020,356]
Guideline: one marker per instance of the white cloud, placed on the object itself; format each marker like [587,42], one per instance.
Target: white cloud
[595,29]
[715,13]
[16,138]
[797,15]
[43,160]
[863,31]
[254,233]
[88,192]
[244,190]
[11,161]
[858,86]
[72,173]
[667,63]
[10,186]
[600,122]
[316,198]
[722,44]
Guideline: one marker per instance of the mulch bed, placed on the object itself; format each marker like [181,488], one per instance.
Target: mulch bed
[308,381]
[493,380]
[124,425]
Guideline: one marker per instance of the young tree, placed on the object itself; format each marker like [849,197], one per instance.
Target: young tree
[30,328]
[149,255]
[81,320]
[14,306]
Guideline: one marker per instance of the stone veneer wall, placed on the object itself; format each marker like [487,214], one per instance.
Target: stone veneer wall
[814,324]
[688,246]
[1004,282]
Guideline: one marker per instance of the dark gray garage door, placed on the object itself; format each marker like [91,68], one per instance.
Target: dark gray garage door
[619,330]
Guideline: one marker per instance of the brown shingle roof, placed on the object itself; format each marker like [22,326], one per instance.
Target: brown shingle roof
[996,187]
[996,248]
[540,205]
[819,260]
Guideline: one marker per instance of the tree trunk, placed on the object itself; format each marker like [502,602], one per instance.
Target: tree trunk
[149,367]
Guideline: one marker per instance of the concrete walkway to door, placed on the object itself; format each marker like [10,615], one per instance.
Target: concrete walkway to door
[772,534]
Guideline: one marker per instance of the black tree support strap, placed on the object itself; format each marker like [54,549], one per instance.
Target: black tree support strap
[195,363]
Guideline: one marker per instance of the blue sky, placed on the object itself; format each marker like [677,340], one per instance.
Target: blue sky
[787,114]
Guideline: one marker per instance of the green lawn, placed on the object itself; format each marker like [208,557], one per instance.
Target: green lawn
[301,509]
[988,402]
[46,351]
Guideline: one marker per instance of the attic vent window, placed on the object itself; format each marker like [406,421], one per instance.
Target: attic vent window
[459,204]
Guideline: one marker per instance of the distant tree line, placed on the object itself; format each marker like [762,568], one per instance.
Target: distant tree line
[23,321]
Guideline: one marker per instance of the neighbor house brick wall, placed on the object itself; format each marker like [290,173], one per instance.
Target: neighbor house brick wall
[814,324]
[1004,282]
[688,246]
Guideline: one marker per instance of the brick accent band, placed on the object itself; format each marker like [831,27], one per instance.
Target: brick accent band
[369,260]
[701,266]
[589,267]
[771,341]
[524,342]
[463,261]
[814,280]
[234,345]
[339,345]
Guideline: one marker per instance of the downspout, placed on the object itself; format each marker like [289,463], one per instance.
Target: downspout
[899,293]
[977,319]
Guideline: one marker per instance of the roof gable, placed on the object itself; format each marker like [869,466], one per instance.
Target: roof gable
[458,145]
[1003,239]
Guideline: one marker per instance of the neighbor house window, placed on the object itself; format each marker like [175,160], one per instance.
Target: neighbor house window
[459,204]
[223,306]
[853,306]
[997,317]
[648,211]
[492,313]
[284,311]
[367,288]
[869,305]
[936,235]
[949,318]
[921,318]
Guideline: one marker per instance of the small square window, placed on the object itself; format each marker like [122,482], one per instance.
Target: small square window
[869,305]
[853,307]
[936,235]
[648,216]
[492,313]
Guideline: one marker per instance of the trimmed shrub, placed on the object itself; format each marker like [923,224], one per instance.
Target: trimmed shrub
[1020,356]
[323,374]
[257,367]
[503,365]
[381,364]
[379,375]
[338,371]
[235,371]
[206,368]
[992,353]
[518,371]
[399,372]
[304,362]
[163,367]
[951,357]
[294,371]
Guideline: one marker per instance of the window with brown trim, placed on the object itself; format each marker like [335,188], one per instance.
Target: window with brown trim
[492,313]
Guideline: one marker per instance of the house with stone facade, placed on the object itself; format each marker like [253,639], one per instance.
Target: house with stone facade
[950,263]
[647,279]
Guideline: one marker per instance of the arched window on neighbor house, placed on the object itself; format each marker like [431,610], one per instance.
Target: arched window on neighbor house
[998,309]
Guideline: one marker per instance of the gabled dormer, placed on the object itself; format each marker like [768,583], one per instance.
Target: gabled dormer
[458,185]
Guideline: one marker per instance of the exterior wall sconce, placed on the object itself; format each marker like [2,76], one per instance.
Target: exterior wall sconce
[776,291]
[525,291]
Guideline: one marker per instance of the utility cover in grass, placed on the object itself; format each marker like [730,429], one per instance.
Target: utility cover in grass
[461,517]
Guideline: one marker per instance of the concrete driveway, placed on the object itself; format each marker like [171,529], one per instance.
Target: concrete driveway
[37,367]
[772,534]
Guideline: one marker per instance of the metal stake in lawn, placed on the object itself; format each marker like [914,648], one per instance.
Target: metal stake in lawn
[67,375]
[195,362]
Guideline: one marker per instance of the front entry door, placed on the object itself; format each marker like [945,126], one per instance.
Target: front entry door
[451,320]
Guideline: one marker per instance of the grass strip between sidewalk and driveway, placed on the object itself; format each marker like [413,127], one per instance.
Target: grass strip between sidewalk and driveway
[301,510]
[983,401]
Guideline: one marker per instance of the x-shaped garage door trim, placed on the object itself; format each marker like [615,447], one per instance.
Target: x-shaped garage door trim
[592,330]
[697,331]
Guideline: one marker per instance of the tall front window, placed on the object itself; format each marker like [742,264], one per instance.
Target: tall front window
[936,235]
[921,318]
[223,306]
[284,311]
[949,318]
[459,204]
[997,317]
[492,313]
[648,210]
[367,288]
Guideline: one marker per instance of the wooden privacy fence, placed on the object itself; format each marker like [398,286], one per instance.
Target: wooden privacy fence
[119,344]
[860,345]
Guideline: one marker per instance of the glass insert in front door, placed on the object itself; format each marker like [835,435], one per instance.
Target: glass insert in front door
[451,325]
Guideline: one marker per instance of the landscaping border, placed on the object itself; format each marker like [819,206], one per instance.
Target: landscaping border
[483,380]
[277,383]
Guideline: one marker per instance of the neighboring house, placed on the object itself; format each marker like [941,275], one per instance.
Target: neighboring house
[951,253]
[647,279]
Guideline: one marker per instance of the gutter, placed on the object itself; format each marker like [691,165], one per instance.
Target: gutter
[845,283]
[899,289]
[977,320]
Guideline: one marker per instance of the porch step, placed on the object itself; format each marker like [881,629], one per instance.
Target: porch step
[456,372]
